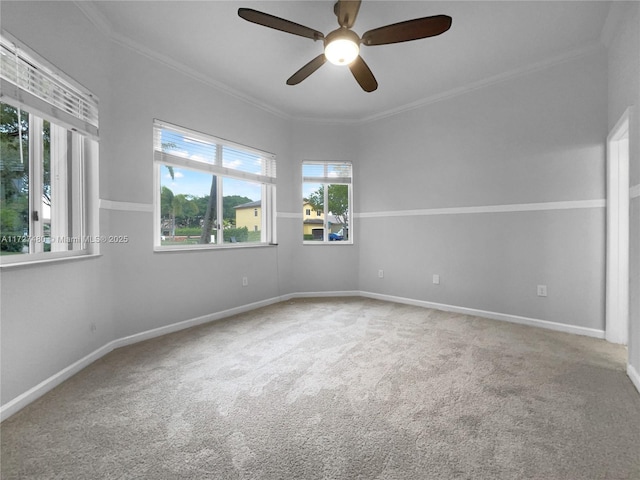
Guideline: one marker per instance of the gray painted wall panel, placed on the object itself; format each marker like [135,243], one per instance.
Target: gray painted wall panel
[129,289]
[493,262]
[535,138]
[47,310]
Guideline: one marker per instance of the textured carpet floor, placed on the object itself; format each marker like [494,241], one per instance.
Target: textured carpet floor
[341,388]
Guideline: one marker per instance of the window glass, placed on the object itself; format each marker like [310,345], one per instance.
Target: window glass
[48,140]
[326,202]
[14,171]
[184,199]
[41,194]
[211,192]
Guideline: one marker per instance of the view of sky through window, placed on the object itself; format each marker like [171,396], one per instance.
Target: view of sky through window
[192,182]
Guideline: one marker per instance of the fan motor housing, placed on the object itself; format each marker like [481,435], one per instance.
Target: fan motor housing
[342,34]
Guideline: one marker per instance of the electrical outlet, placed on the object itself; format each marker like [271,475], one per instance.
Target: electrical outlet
[380,273]
[436,279]
[245,281]
[542,290]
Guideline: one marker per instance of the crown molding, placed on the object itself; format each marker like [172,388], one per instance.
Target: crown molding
[617,13]
[95,17]
[559,59]
[104,26]
[564,57]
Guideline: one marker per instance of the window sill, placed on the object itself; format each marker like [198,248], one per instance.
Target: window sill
[208,248]
[46,261]
[311,242]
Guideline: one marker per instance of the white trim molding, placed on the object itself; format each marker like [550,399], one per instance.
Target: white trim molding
[31,395]
[345,293]
[519,207]
[104,26]
[634,376]
[288,215]
[21,401]
[532,322]
[125,206]
[564,57]
[617,251]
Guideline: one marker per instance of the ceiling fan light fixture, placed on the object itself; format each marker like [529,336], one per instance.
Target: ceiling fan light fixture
[341,51]
[342,47]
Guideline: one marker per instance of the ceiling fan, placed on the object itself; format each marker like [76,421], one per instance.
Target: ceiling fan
[342,46]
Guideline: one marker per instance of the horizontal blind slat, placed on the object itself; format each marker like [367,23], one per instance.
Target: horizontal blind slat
[167,158]
[184,147]
[34,77]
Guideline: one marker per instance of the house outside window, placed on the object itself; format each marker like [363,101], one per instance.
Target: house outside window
[203,183]
[327,201]
[247,214]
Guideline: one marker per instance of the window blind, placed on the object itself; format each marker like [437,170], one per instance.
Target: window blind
[326,172]
[38,86]
[182,147]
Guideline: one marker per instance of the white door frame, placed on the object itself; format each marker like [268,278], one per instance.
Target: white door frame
[617,273]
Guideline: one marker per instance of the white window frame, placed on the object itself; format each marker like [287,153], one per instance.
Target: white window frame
[267,180]
[34,86]
[327,180]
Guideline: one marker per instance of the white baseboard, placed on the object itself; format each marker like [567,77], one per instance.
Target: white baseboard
[53,381]
[175,327]
[344,293]
[634,376]
[31,395]
[533,322]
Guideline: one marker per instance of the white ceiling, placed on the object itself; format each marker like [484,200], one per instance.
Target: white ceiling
[487,40]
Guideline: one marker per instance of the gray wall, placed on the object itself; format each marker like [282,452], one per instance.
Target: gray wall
[46,311]
[534,138]
[319,268]
[157,289]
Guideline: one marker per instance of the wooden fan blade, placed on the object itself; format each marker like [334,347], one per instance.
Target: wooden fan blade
[346,11]
[363,75]
[409,30]
[278,23]
[307,70]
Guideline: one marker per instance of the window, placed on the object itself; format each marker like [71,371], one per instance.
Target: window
[326,188]
[211,192]
[48,143]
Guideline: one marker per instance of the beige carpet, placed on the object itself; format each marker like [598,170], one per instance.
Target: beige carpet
[341,388]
